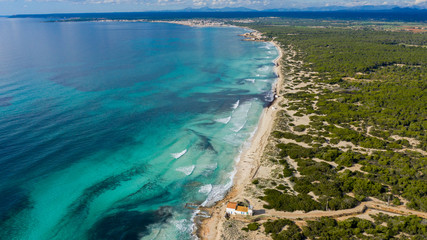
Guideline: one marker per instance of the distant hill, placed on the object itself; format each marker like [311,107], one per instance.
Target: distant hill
[393,8]
[208,9]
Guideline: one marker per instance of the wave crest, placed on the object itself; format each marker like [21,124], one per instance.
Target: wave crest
[238,128]
[180,154]
[236,104]
[186,170]
[218,192]
[224,120]
[206,189]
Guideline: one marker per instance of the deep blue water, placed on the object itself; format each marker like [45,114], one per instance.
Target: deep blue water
[108,129]
[403,14]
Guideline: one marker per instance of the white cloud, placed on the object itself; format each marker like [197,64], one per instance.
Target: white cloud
[199,3]
[255,4]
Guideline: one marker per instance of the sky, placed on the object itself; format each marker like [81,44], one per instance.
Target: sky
[11,7]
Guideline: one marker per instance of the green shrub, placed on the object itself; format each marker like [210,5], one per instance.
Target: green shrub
[282,187]
[253,226]
[287,202]
[300,128]
[276,226]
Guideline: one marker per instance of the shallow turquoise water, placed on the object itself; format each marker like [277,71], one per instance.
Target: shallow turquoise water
[108,129]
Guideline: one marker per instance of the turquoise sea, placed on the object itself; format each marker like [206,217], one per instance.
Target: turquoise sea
[107,129]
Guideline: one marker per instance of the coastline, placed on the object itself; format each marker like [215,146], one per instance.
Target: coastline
[213,224]
[247,167]
[260,173]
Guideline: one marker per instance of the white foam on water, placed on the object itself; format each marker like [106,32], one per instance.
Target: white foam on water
[269,96]
[248,142]
[154,234]
[186,170]
[232,139]
[240,117]
[206,189]
[264,69]
[266,46]
[209,169]
[173,229]
[194,226]
[235,105]
[178,155]
[183,225]
[223,120]
[237,129]
[218,192]
[250,80]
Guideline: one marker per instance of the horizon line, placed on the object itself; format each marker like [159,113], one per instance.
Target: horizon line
[249,10]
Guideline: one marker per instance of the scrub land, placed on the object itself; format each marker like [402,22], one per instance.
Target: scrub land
[346,155]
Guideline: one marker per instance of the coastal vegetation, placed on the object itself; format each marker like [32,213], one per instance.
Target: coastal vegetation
[382,227]
[371,93]
[350,128]
[251,227]
[349,137]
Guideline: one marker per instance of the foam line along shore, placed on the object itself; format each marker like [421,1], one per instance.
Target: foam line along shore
[211,228]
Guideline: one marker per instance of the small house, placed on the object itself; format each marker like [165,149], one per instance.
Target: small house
[233,208]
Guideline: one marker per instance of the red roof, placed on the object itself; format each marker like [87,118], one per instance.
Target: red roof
[232,205]
[242,209]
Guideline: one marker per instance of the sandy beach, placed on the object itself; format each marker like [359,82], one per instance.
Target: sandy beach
[247,167]
[249,163]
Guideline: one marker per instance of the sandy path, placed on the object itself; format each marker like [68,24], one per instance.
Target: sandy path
[360,209]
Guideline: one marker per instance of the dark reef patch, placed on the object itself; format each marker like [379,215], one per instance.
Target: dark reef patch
[205,142]
[12,201]
[110,183]
[129,225]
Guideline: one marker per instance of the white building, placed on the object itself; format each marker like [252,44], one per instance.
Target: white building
[233,208]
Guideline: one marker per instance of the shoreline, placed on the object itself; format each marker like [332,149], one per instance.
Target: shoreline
[211,223]
[250,157]
[247,167]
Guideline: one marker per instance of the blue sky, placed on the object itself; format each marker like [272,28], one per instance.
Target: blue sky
[9,7]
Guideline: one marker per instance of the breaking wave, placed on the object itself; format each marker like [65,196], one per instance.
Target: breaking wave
[269,96]
[224,120]
[236,104]
[206,189]
[218,192]
[178,155]
[186,170]
[240,116]
[238,128]
[264,69]
[266,46]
